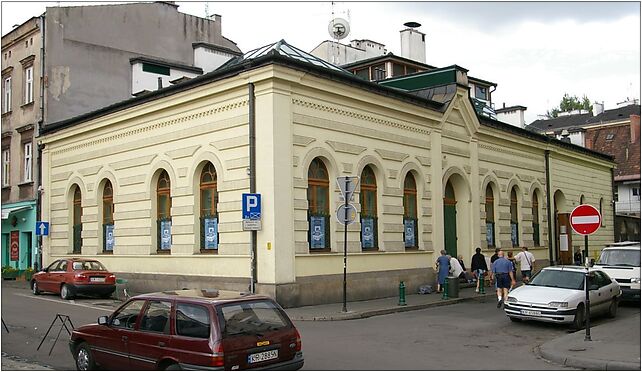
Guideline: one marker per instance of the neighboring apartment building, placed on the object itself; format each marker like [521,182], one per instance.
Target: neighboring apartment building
[615,132]
[434,174]
[72,60]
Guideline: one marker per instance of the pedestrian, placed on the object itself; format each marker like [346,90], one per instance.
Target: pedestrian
[495,256]
[479,267]
[578,257]
[456,268]
[526,260]
[512,261]
[443,266]
[502,270]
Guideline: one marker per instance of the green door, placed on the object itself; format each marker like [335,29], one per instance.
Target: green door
[450,220]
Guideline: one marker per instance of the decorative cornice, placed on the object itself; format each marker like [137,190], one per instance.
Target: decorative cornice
[182,153]
[298,140]
[346,147]
[391,155]
[357,115]
[509,152]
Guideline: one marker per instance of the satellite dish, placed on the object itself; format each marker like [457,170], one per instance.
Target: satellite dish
[339,28]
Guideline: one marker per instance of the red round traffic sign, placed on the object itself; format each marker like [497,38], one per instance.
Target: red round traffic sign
[585,219]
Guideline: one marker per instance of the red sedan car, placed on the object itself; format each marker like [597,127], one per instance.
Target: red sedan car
[72,276]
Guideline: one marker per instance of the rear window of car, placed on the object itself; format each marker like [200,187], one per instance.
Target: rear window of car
[192,321]
[251,318]
[620,257]
[88,265]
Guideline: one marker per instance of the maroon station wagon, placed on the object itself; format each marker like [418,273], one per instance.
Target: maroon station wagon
[190,330]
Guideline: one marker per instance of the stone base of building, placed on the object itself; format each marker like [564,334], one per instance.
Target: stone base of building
[305,291]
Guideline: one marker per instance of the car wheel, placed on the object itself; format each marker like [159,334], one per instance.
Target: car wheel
[65,292]
[513,319]
[173,367]
[613,308]
[84,359]
[578,321]
[34,288]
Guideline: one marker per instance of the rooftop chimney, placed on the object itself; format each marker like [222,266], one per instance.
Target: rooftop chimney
[413,43]
[598,108]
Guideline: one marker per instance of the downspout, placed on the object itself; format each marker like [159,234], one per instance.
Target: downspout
[547,154]
[613,188]
[39,189]
[252,130]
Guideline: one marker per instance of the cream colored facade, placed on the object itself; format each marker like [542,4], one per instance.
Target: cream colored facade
[301,116]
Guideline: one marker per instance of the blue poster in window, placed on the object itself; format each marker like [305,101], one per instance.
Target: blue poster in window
[166,234]
[409,233]
[109,237]
[490,234]
[367,232]
[513,234]
[211,233]
[317,232]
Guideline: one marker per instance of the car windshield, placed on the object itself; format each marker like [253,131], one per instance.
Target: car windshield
[559,279]
[88,265]
[251,318]
[620,257]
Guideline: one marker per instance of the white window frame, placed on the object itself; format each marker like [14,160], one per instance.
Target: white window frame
[29,84]
[6,158]
[28,166]
[6,106]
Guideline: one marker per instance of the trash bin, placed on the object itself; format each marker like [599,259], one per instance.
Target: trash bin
[453,287]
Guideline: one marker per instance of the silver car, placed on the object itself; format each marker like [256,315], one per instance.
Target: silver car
[557,295]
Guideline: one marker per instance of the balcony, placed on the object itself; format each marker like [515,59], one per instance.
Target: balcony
[627,207]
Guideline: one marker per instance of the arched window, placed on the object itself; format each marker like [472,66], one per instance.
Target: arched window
[410,235]
[209,214]
[318,206]
[108,218]
[514,225]
[581,199]
[535,212]
[368,200]
[490,216]
[163,215]
[77,221]
[602,215]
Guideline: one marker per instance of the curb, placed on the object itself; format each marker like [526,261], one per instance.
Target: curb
[586,363]
[352,315]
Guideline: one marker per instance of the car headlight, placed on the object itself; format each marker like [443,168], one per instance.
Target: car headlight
[511,299]
[558,304]
[635,280]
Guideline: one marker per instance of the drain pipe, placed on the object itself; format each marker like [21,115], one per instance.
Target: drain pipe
[613,189]
[40,147]
[547,156]
[252,130]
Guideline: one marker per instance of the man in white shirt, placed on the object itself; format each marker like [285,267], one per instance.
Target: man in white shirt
[526,260]
[456,267]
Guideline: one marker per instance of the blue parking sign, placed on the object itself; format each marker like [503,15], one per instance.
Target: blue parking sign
[251,206]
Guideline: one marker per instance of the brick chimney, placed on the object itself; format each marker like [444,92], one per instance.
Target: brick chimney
[635,128]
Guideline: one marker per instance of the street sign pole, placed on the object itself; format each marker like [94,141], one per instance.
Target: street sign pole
[587,337]
[345,249]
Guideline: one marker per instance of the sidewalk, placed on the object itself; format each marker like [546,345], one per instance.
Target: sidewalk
[615,345]
[17,364]
[389,305]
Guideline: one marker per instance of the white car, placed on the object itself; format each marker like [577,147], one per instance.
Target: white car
[557,295]
[621,261]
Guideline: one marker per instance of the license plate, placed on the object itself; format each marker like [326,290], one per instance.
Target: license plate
[263,356]
[531,312]
[97,279]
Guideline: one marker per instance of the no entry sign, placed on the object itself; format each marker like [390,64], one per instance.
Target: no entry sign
[585,219]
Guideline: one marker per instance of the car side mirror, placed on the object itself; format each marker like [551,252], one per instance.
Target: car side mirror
[102,320]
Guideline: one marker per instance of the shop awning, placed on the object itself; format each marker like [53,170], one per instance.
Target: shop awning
[7,211]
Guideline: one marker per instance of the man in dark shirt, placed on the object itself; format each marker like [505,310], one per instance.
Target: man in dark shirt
[478,266]
[494,257]
[502,270]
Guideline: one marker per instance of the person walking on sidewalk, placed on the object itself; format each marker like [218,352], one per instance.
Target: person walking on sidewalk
[525,259]
[479,267]
[502,270]
[443,266]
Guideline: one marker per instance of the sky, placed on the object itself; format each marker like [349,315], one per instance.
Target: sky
[534,51]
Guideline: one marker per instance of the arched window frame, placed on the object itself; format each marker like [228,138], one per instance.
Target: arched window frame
[514,217]
[208,193]
[77,221]
[368,201]
[489,207]
[163,213]
[318,207]
[535,213]
[410,220]
[581,199]
[108,217]
[601,214]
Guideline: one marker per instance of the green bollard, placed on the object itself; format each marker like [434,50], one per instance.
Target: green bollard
[445,290]
[402,294]
[482,284]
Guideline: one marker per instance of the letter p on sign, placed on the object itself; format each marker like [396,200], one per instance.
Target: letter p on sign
[251,206]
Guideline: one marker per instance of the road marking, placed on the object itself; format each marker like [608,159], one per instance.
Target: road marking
[64,303]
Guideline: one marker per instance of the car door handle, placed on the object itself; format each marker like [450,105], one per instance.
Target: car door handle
[124,338]
[161,344]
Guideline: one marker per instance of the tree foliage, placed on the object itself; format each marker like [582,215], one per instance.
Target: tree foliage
[570,103]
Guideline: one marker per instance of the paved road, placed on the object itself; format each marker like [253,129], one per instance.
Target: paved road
[466,336]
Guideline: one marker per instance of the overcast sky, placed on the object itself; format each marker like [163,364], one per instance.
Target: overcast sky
[534,51]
